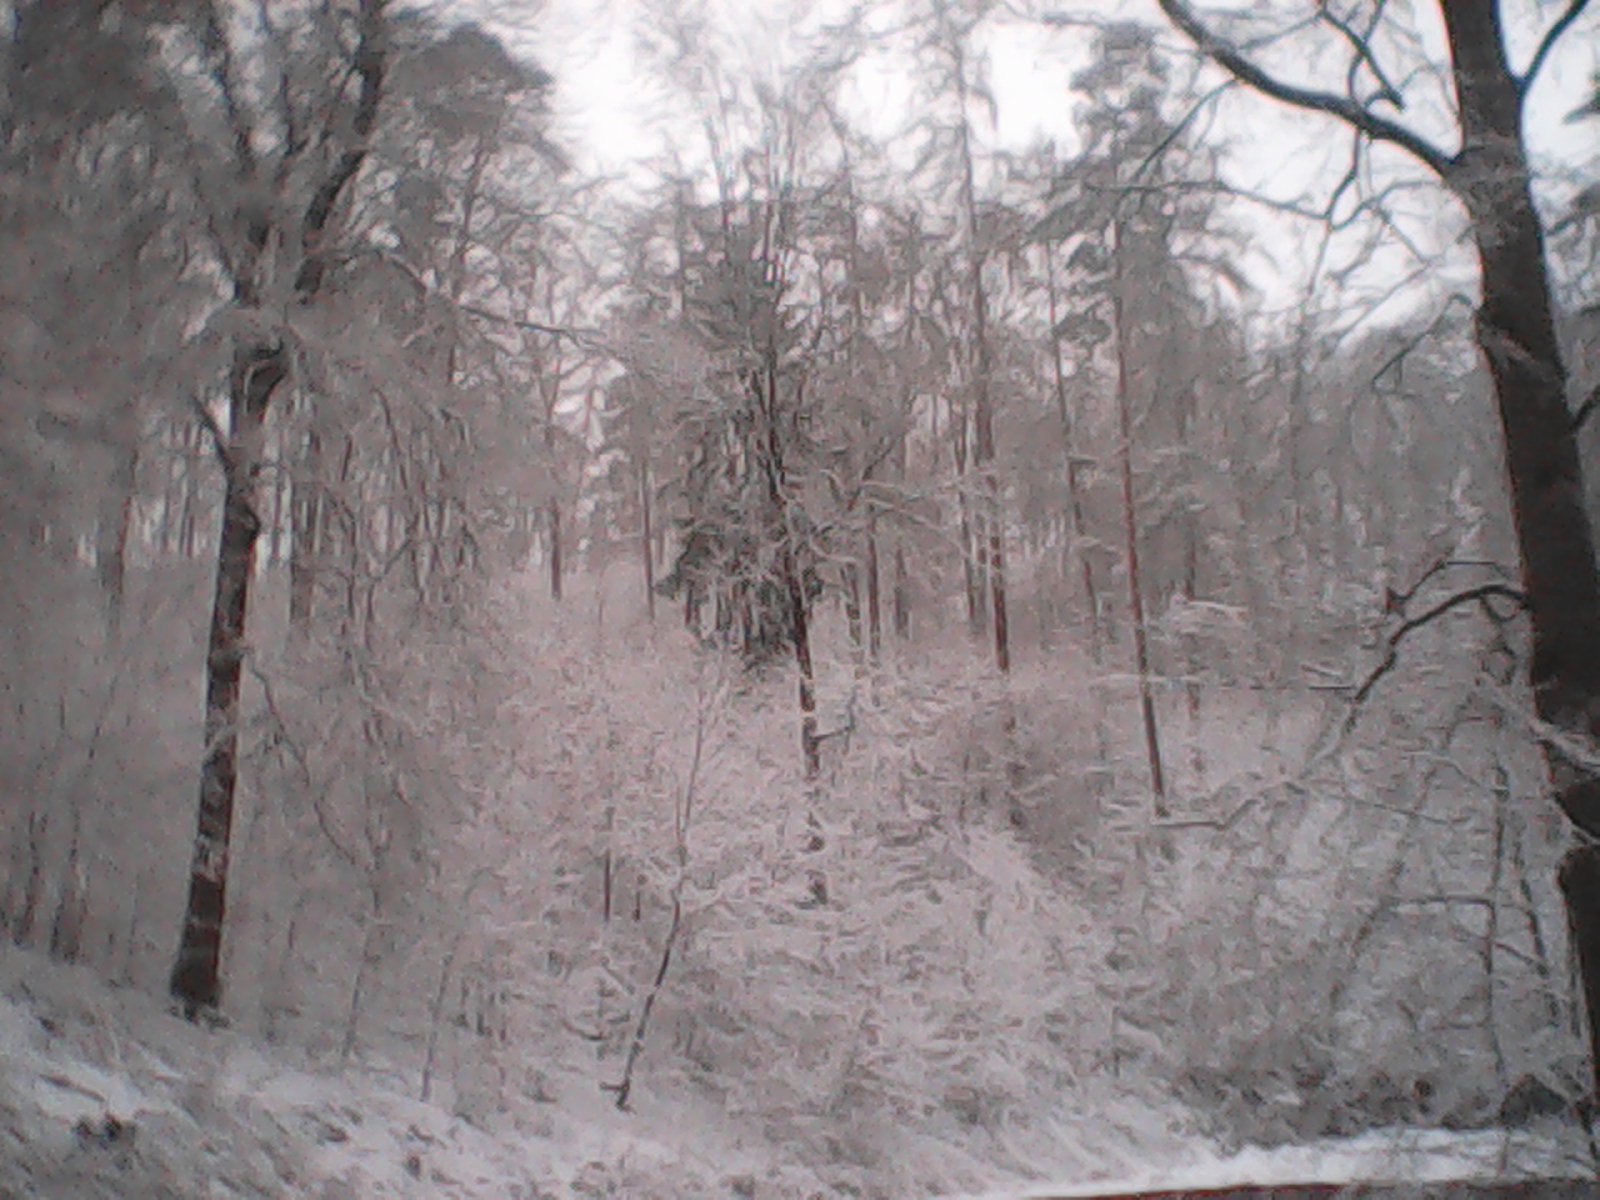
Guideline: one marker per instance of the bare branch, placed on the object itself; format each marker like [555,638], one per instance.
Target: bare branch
[1547,43]
[1481,595]
[294,138]
[214,39]
[1229,58]
[1179,127]
[1358,43]
[576,334]
[1398,358]
[370,63]
[557,331]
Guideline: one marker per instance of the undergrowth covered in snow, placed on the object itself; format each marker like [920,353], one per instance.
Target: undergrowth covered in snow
[505,865]
[104,1093]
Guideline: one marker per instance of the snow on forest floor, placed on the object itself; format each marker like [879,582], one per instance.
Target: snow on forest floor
[105,1094]
[1389,1156]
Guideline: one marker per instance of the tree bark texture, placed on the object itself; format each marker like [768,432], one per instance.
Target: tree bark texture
[1517,336]
[1076,544]
[646,558]
[1130,529]
[196,972]
[257,369]
[874,592]
[306,519]
[553,520]
[987,595]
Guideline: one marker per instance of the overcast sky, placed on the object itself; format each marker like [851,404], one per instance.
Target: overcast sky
[615,113]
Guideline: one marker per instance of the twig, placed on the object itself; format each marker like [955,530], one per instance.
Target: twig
[682,818]
[576,335]
[1481,595]
[1352,112]
[1399,356]
[1363,49]
[1573,12]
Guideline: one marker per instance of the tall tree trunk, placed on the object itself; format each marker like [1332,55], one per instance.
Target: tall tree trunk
[196,972]
[646,545]
[189,484]
[989,528]
[1130,529]
[72,903]
[997,579]
[991,554]
[550,386]
[1078,539]
[765,389]
[553,521]
[115,528]
[874,591]
[1187,413]
[256,371]
[810,745]
[972,574]
[1516,333]
[900,584]
[852,613]
[305,518]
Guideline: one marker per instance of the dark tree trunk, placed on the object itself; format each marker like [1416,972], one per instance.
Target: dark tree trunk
[646,553]
[72,906]
[810,746]
[901,592]
[991,532]
[196,973]
[257,370]
[116,524]
[852,612]
[305,518]
[770,448]
[972,574]
[1074,487]
[1516,333]
[1191,583]
[874,593]
[554,522]
[24,913]
[997,600]
[1130,530]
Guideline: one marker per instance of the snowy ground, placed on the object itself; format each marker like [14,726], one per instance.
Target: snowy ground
[1405,1156]
[104,1094]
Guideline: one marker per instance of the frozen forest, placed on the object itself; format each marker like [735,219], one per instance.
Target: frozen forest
[875,598]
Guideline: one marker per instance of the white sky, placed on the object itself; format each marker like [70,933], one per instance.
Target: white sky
[610,109]
[606,103]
